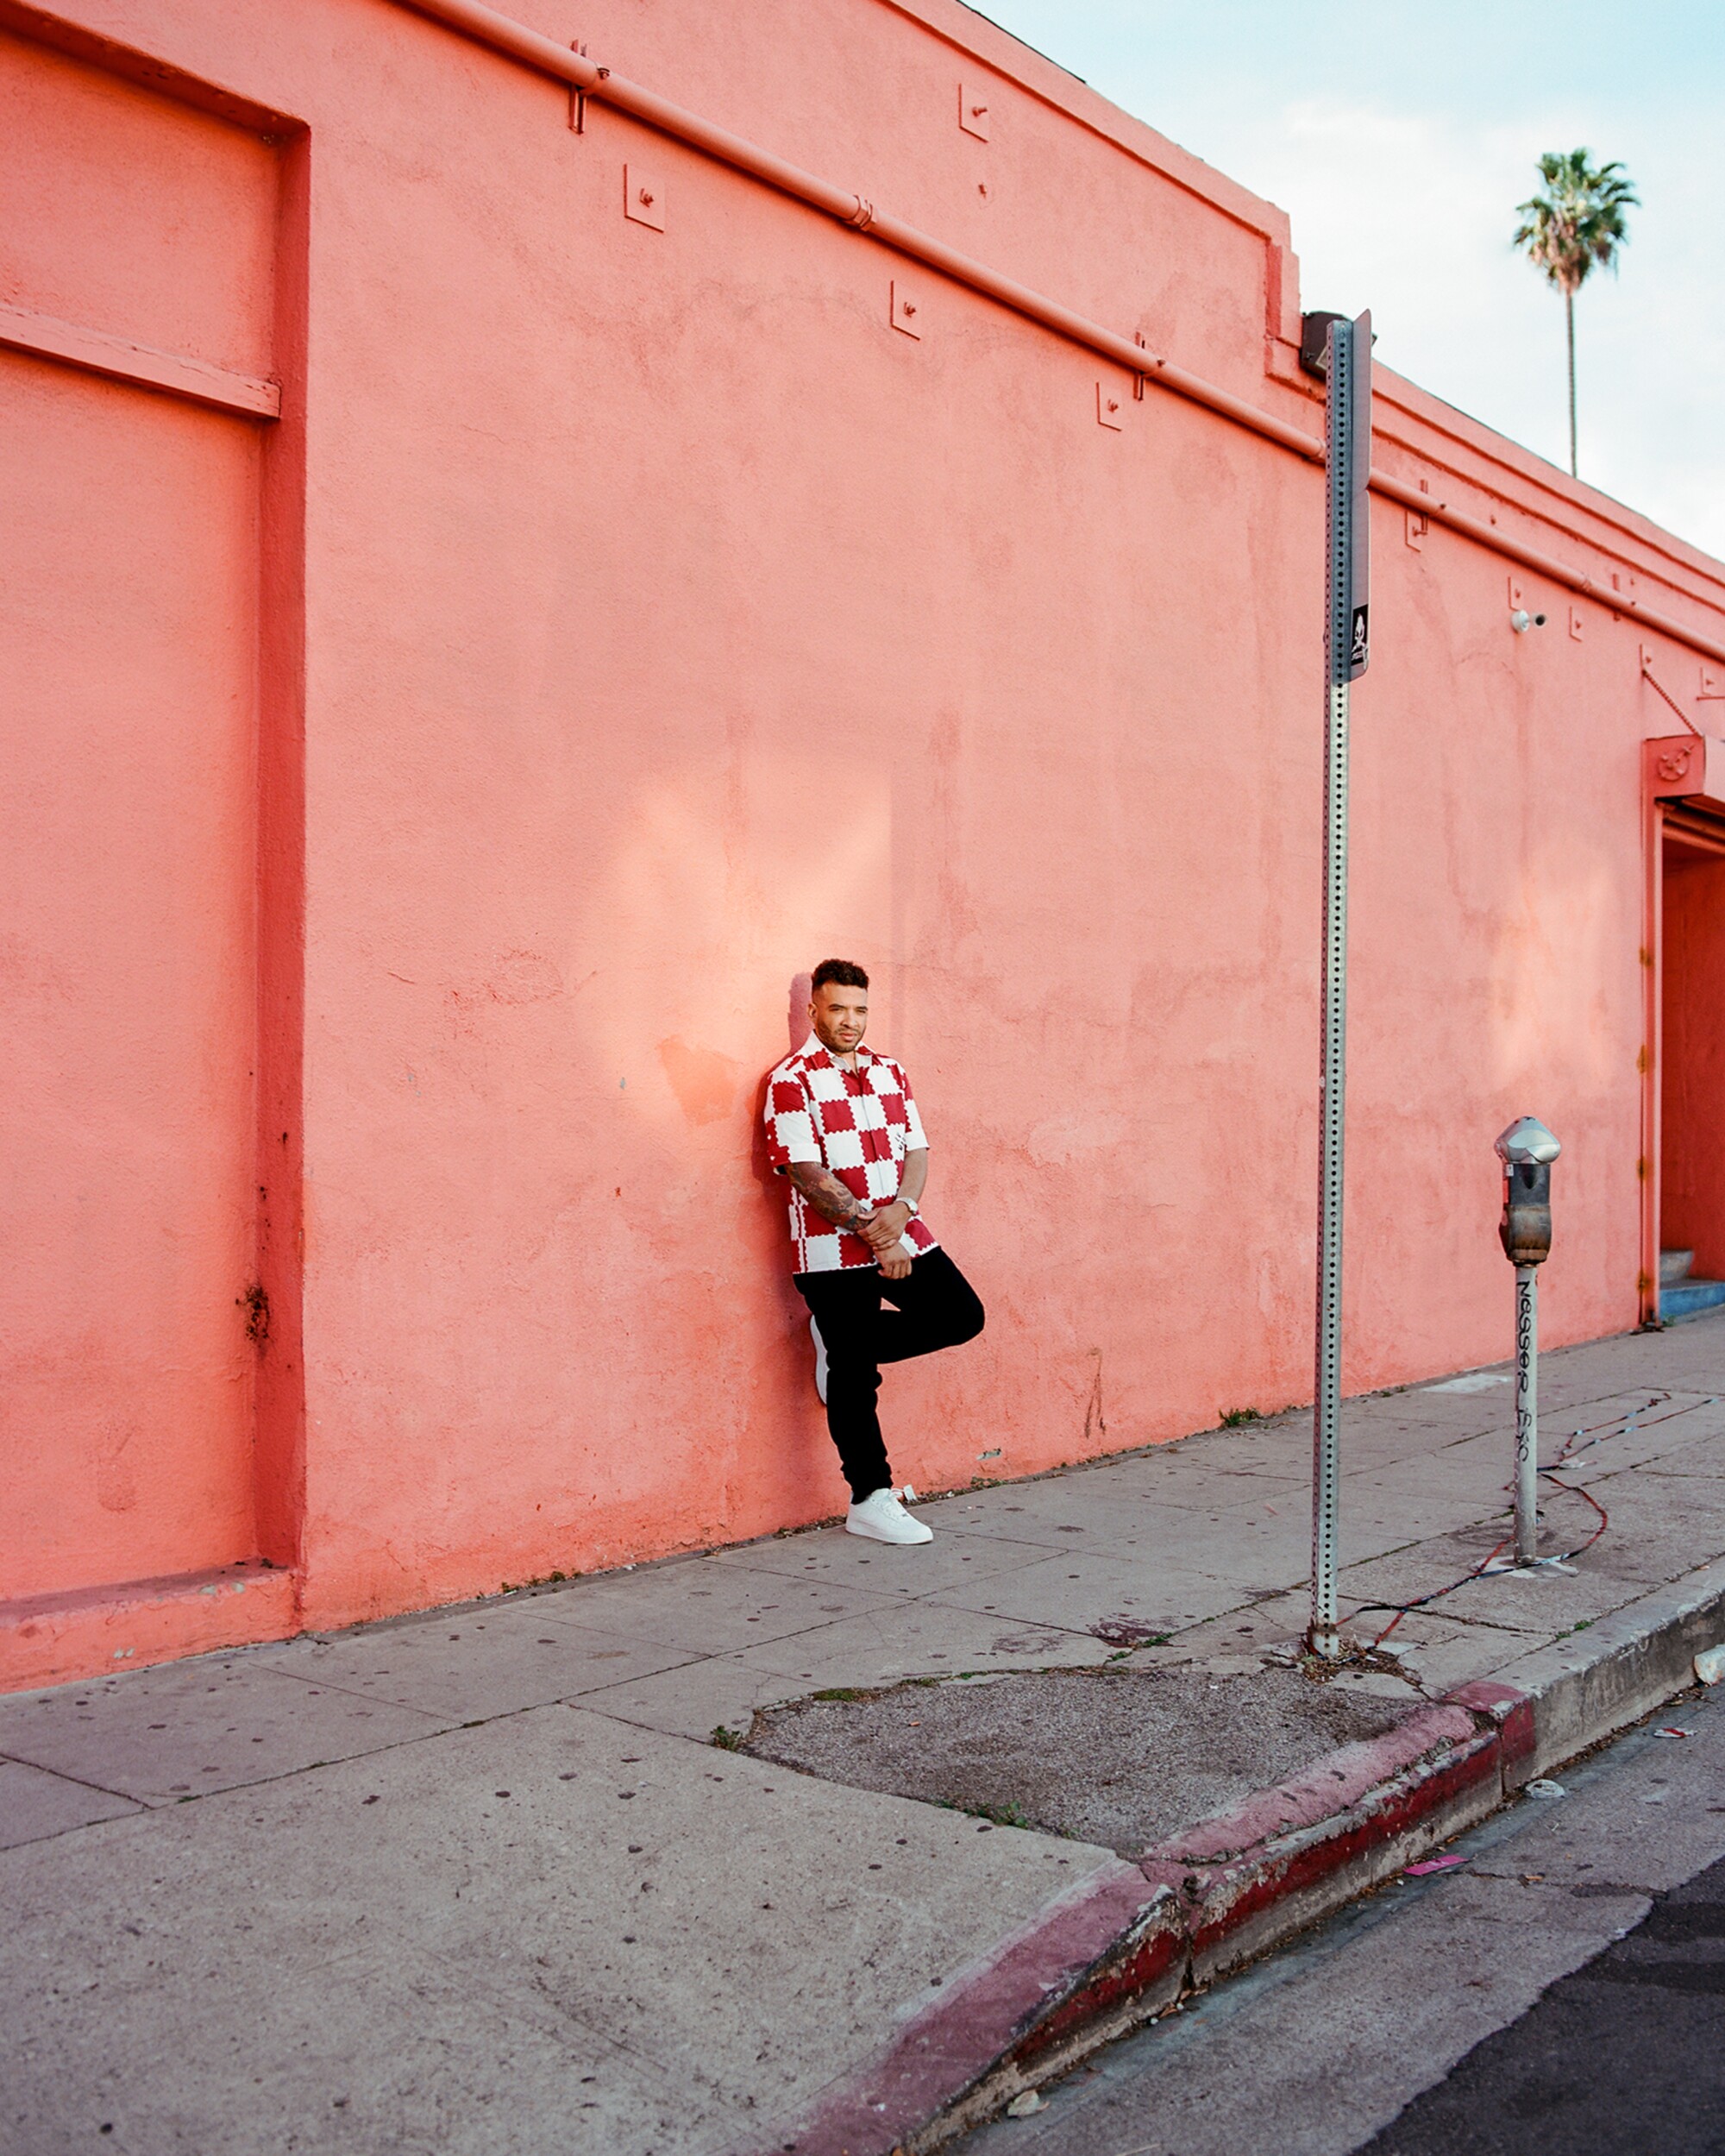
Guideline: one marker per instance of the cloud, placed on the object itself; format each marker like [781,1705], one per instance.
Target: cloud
[1402,196]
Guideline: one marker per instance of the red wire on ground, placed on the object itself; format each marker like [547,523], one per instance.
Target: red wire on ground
[1402,1609]
[1576,1490]
[1619,1426]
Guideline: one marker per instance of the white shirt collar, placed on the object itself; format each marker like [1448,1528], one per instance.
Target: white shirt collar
[815,1045]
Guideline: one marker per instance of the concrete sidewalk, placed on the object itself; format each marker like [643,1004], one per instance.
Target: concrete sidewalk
[481,1881]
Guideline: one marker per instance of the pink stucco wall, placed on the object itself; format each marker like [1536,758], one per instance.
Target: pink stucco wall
[618,621]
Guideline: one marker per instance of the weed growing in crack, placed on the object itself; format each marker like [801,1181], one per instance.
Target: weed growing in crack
[995,1814]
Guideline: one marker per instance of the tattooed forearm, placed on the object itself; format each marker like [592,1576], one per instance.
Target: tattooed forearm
[828,1195]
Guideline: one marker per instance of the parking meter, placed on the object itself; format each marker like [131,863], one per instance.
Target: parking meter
[1526,1150]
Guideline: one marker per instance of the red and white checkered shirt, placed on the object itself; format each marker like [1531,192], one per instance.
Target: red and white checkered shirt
[858,1123]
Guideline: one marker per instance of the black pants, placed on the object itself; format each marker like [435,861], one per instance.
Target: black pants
[935,1306]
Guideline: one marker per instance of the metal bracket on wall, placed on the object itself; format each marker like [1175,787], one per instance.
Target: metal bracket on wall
[904,307]
[644,197]
[1109,406]
[578,99]
[973,111]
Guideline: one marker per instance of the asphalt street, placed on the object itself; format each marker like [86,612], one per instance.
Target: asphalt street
[1561,1990]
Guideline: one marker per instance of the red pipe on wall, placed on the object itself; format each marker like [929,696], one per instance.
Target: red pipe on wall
[853,209]
[505,36]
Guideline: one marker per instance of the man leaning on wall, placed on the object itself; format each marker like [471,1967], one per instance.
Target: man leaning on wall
[843,1129]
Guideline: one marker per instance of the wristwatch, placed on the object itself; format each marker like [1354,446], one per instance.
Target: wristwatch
[912,1207]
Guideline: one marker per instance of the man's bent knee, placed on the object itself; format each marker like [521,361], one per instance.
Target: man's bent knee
[967,1319]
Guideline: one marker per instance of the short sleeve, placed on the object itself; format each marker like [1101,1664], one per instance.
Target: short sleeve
[790,1125]
[915,1139]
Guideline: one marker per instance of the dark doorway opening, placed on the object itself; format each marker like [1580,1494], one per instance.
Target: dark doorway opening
[1692,1086]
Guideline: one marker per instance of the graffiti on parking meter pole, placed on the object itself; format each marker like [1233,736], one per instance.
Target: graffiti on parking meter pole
[1358,652]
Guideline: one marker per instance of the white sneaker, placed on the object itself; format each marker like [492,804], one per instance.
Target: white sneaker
[881,1517]
[820,1361]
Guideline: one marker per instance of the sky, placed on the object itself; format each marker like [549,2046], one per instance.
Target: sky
[1400,139]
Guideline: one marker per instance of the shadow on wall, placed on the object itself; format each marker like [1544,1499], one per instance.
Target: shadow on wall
[802,988]
[796,1019]
[706,1083]
[703,1081]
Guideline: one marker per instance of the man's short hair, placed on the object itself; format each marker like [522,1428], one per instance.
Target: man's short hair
[837,973]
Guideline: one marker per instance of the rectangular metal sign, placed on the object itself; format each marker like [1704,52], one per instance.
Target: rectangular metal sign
[1347,446]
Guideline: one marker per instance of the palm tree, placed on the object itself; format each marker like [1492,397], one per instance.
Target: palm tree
[1575,220]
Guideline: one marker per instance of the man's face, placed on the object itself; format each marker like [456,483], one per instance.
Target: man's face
[839,1016]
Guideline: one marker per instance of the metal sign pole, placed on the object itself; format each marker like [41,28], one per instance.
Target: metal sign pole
[1347,441]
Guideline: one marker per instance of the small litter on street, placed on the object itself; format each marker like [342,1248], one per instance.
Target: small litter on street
[1673,1733]
[1026,2106]
[1434,1863]
[1544,1789]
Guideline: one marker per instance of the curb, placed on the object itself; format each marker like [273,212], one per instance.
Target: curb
[1123,1945]
[1583,1689]
[92,1632]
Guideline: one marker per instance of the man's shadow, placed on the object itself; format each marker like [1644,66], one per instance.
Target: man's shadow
[797,1025]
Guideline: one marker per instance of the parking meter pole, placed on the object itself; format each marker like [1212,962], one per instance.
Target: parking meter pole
[1348,443]
[1526,1150]
[1527,1413]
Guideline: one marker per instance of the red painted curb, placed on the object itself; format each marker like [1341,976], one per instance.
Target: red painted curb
[1319,1793]
[1240,1908]
[1113,1934]
[1127,1941]
[1513,1712]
